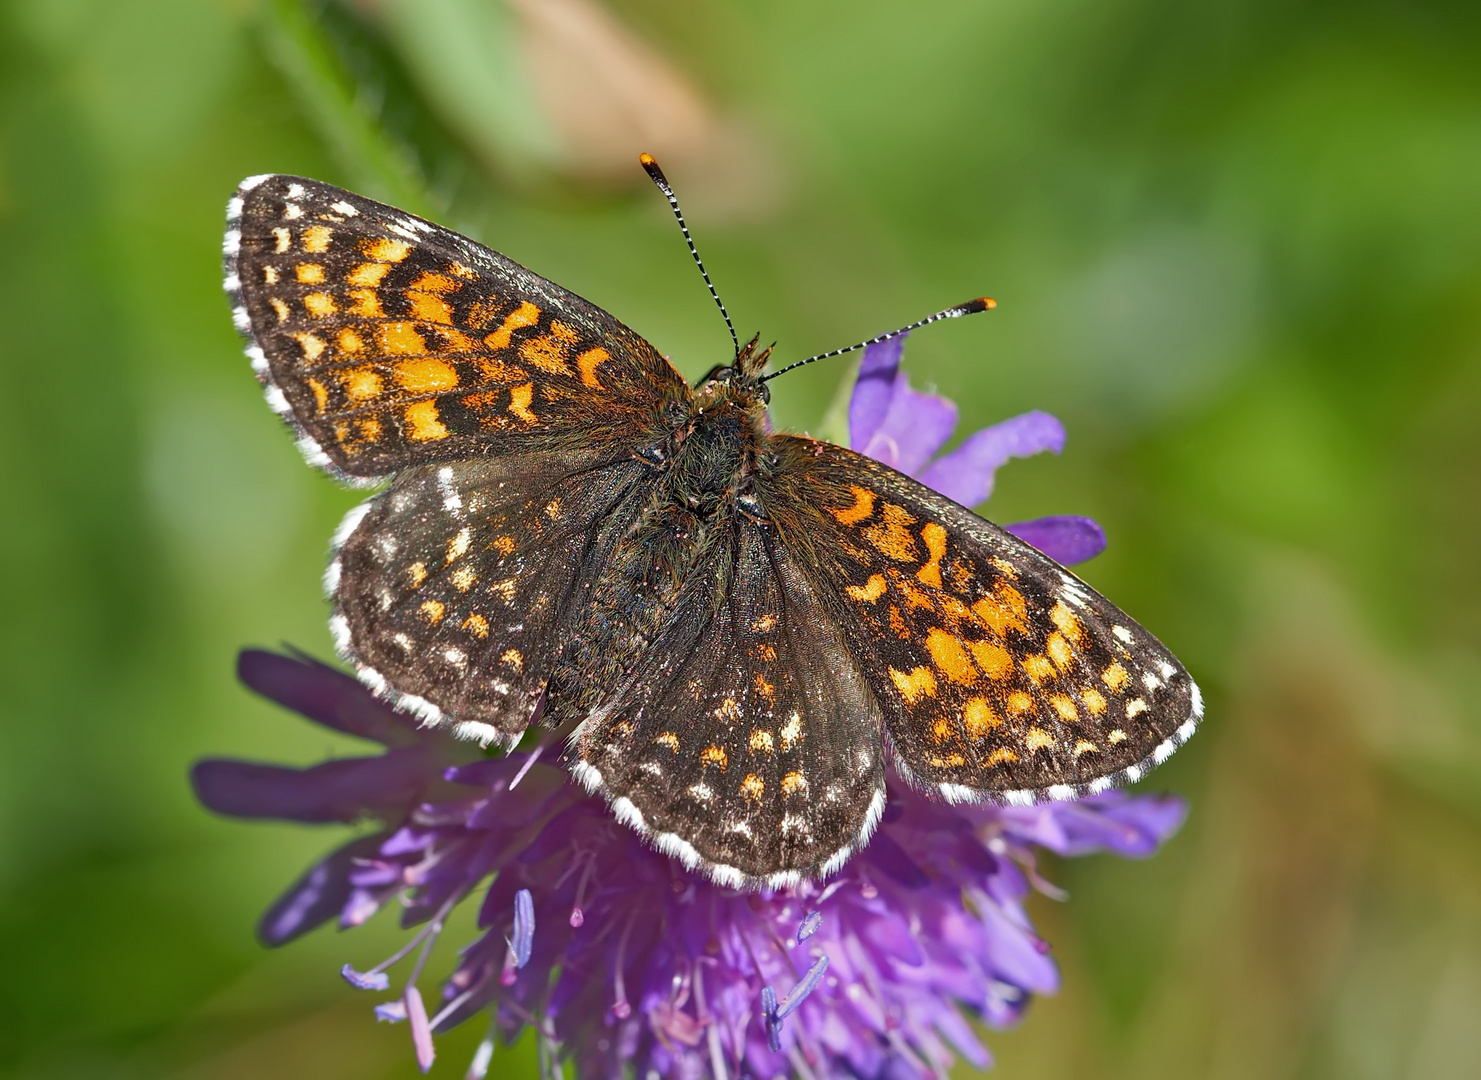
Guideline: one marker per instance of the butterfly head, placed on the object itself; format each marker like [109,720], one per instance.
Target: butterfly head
[739,381]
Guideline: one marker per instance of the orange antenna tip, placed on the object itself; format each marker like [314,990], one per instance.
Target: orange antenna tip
[647,159]
[989,303]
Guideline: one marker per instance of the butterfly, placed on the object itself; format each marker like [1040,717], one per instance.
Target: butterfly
[735,629]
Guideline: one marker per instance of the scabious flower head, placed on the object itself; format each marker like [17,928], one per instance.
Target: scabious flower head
[620,960]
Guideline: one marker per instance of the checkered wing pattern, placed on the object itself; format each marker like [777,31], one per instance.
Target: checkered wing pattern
[744,739]
[388,341]
[455,587]
[1000,674]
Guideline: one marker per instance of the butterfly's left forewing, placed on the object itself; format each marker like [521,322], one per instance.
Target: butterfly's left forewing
[1000,674]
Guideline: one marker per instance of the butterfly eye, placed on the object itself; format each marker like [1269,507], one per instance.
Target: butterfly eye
[718,373]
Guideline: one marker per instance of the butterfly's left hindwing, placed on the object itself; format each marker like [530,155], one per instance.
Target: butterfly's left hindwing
[389,342]
[1000,673]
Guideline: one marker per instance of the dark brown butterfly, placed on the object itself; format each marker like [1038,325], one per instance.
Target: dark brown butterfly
[731,625]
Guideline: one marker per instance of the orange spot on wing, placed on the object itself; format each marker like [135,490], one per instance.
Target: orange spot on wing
[309,273]
[385,250]
[891,537]
[549,352]
[316,238]
[366,304]
[321,395]
[794,783]
[360,384]
[1001,756]
[1094,703]
[995,661]
[476,625]
[427,376]
[1059,651]
[1002,610]
[527,314]
[423,423]
[668,739]
[1115,677]
[425,295]
[1065,706]
[753,787]
[1038,668]
[350,342]
[312,344]
[368,274]
[917,683]
[714,755]
[978,717]
[519,402]
[1038,739]
[935,538]
[761,741]
[868,592]
[950,658]
[1065,620]
[1019,702]
[432,611]
[320,304]
[401,339]
[454,340]
[862,508]
[587,364]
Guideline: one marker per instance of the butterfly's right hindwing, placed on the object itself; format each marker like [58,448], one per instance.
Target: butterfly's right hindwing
[455,587]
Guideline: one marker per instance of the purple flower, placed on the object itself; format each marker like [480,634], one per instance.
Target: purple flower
[618,958]
[903,428]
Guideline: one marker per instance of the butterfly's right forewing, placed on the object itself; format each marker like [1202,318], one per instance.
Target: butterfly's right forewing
[388,341]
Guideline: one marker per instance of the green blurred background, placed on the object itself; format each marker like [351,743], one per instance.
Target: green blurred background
[1236,246]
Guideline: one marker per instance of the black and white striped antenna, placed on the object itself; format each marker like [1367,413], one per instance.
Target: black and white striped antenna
[650,166]
[971,307]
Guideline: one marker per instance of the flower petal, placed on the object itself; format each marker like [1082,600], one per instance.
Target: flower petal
[315,897]
[325,695]
[873,389]
[343,790]
[914,428]
[421,1031]
[966,474]
[1066,539]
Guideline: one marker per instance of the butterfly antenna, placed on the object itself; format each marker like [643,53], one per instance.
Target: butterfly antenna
[650,166]
[971,307]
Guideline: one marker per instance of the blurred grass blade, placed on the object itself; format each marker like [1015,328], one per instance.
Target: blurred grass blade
[378,164]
